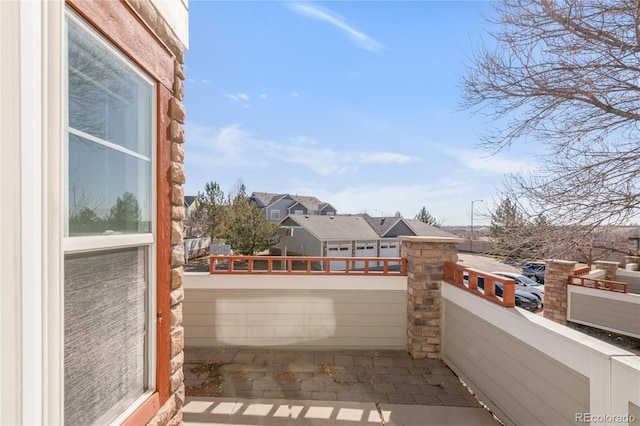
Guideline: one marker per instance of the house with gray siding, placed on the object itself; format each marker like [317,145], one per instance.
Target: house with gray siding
[278,206]
[349,235]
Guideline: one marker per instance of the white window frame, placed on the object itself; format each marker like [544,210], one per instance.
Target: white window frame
[81,244]
[274,214]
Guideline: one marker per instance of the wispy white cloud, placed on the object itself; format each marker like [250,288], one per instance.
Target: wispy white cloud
[481,162]
[205,81]
[231,146]
[237,96]
[385,157]
[325,15]
[219,148]
[241,98]
[378,199]
[303,140]
[296,95]
[262,96]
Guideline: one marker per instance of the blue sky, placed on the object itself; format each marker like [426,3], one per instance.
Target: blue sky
[356,103]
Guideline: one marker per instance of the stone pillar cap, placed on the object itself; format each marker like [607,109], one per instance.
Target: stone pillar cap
[607,262]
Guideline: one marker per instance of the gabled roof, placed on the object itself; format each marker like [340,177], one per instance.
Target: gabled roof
[421,229]
[189,199]
[310,203]
[326,205]
[381,224]
[265,199]
[392,226]
[334,228]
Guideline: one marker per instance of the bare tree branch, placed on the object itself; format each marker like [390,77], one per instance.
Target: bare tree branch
[566,74]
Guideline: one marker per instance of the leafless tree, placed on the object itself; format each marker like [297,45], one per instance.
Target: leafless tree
[516,236]
[565,75]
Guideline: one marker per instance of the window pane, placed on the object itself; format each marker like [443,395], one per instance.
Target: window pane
[107,98]
[104,334]
[109,191]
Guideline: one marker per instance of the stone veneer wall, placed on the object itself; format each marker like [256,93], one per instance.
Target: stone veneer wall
[632,263]
[425,272]
[556,278]
[171,412]
[609,268]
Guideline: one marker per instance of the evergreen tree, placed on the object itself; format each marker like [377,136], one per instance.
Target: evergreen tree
[86,221]
[211,211]
[248,230]
[125,215]
[426,217]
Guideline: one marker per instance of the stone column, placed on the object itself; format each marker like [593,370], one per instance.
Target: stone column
[425,271]
[609,268]
[631,263]
[556,277]
[170,414]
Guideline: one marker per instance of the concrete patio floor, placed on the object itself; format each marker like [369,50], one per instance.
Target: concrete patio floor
[278,387]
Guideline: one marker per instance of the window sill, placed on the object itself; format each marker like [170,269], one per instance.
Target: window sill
[145,412]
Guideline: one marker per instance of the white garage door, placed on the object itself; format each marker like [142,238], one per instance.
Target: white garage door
[390,249]
[364,250]
[338,250]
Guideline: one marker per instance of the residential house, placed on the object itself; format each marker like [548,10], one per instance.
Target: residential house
[279,206]
[391,227]
[92,252]
[349,235]
[190,204]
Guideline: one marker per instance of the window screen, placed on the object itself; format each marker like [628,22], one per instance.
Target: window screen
[104,333]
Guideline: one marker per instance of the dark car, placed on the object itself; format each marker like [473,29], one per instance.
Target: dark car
[534,270]
[524,300]
[525,284]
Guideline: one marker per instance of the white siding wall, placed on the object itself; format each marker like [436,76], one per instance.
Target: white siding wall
[312,312]
[608,310]
[527,369]
[300,243]
[632,278]
[626,389]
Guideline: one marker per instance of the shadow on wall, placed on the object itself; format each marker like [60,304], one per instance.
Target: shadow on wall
[295,320]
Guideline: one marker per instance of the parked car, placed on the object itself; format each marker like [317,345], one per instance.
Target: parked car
[525,283]
[524,299]
[534,270]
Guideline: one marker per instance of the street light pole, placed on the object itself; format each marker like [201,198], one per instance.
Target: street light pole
[471,241]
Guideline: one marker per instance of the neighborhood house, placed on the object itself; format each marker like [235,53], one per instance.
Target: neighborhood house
[349,236]
[278,206]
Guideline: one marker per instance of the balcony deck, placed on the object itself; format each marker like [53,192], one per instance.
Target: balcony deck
[275,387]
